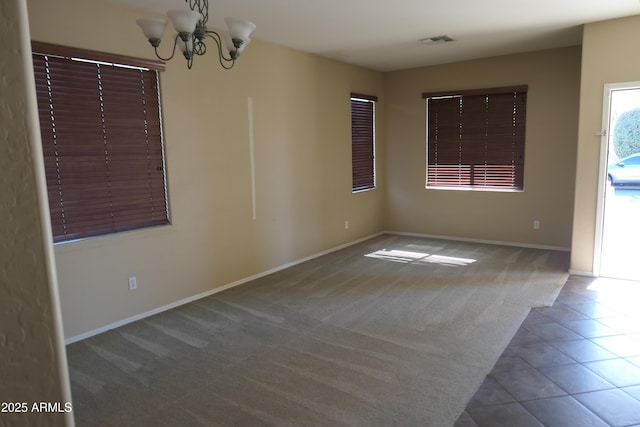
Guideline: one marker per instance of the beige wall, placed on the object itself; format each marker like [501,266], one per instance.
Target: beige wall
[608,56]
[32,355]
[302,137]
[302,148]
[302,162]
[552,112]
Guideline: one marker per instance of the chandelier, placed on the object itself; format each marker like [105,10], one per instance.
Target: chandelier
[191,32]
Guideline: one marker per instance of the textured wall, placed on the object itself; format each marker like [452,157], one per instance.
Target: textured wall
[31,355]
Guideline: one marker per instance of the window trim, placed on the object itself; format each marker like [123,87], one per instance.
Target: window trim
[360,183]
[43,48]
[472,92]
[518,117]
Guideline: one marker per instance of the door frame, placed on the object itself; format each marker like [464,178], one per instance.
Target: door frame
[602,169]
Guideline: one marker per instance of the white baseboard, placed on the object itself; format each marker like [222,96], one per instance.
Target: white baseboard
[488,242]
[581,273]
[178,303]
[175,304]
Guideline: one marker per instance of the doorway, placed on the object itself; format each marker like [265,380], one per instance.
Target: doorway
[619,235]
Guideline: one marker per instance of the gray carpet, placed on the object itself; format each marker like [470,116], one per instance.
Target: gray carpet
[395,331]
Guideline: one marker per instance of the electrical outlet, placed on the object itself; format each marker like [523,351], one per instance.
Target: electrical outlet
[536,224]
[346,225]
[133,283]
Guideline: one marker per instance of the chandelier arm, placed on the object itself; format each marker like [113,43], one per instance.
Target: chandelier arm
[173,52]
[226,63]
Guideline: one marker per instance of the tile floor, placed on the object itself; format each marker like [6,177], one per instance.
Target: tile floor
[574,364]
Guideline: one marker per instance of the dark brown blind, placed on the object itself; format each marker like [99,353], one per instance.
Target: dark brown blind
[102,143]
[477,140]
[362,142]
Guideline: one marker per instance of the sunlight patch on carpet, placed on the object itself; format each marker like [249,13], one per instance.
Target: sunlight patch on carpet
[419,257]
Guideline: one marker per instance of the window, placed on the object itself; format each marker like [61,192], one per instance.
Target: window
[102,141]
[475,139]
[363,150]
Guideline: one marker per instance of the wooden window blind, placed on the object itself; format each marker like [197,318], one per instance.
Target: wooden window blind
[476,138]
[363,142]
[102,142]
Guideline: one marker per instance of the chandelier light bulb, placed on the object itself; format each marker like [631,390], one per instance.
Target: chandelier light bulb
[185,46]
[239,29]
[152,28]
[184,21]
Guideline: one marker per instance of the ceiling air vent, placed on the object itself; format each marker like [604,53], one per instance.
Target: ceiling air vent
[437,40]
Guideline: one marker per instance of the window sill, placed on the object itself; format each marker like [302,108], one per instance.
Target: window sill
[480,189]
[364,190]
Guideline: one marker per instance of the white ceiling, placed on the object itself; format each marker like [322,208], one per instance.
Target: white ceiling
[383,35]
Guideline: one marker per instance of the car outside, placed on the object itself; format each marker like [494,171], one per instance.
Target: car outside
[625,172]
